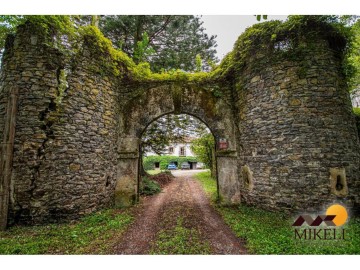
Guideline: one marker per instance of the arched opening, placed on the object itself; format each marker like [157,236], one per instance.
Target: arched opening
[180,143]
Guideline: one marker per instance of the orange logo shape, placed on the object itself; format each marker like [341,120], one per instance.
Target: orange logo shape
[339,212]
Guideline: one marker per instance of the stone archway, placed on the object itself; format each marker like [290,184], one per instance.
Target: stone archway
[70,127]
[195,100]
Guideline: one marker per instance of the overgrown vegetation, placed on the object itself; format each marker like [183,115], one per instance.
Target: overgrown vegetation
[167,42]
[209,184]
[271,233]
[167,129]
[276,39]
[204,149]
[93,234]
[180,240]
[149,187]
[148,162]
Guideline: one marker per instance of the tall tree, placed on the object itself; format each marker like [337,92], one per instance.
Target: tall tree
[173,42]
[204,148]
[170,128]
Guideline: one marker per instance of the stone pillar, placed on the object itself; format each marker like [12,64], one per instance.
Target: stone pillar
[126,188]
[299,145]
[227,176]
[228,180]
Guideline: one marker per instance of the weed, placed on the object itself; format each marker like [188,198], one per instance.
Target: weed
[271,233]
[180,240]
[92,234]
[149,187]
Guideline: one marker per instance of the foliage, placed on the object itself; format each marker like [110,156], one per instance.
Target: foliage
[180,240]
[93,234]
[148,162]
[172,42]
[115,58]
[259,17]
[260,38]
[149,187]
[204,147]
[198,63]
[169,128]
[48,24]
[143,50]
[286,41]
[271,233]
[209,185]
[354,56]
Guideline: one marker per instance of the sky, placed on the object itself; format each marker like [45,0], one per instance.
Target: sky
[228,28]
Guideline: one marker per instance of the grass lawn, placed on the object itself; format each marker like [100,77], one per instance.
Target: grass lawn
[271,233]
[179,240]
[93,234]
[153,172]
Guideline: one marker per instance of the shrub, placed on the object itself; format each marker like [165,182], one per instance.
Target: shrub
[148,162]
[149,187]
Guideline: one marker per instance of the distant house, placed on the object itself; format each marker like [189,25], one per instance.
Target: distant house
[355,98]
[181,150]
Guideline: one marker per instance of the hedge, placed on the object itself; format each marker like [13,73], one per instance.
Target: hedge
[149,162]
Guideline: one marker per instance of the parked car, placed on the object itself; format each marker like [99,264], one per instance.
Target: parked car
[185,166]
[172,166]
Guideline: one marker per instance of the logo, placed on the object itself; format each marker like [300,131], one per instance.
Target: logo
[335,216]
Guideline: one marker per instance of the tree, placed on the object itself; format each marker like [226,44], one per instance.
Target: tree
[169,128]
[204,148]
[172,41]
[354,56]
[51,23]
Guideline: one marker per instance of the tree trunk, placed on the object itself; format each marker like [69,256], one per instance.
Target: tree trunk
[95,20]
[138,36]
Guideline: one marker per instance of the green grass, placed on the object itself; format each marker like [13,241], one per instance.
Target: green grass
[91,235]
[153,172]
[180,240]
[271,233]
[208,183]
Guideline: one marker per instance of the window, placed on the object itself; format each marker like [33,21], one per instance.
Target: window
[171,150]
[182,151]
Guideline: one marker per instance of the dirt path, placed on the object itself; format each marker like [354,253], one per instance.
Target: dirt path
[183,198]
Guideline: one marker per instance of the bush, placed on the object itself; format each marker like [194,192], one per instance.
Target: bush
[148,162]
[149,187]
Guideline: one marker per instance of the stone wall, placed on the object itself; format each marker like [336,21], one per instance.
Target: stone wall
[297,131]
[142,105]
[64,152]
[283,112]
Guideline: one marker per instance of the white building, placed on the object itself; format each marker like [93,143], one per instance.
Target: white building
[182,149]
[178,149]
[355,98]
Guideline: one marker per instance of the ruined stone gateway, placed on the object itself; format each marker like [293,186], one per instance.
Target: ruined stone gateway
[71,121]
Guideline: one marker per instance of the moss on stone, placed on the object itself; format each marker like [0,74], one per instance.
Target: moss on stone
[290,40]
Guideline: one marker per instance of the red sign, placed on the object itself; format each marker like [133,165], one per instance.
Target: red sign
[223,144]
